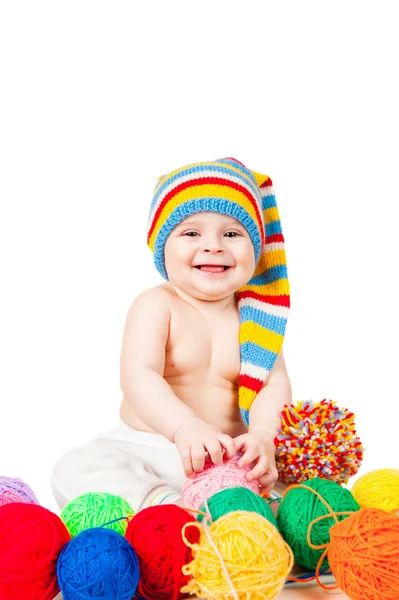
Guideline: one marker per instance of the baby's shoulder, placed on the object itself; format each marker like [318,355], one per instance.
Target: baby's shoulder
[156,297]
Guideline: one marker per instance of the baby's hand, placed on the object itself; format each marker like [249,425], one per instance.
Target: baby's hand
[258,446]
[196,437]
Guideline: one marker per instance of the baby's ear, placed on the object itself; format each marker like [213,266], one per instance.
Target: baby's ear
[260,179]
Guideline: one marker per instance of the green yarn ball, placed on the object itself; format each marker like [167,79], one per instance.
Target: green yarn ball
[94,509]
[237,498]
[298,509]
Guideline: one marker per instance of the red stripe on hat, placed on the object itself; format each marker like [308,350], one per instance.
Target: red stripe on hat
[267,183]
[250,382]
[282,300]
[206,181]
[277,237]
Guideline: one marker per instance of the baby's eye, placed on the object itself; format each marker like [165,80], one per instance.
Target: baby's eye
[195,233]
[233,232]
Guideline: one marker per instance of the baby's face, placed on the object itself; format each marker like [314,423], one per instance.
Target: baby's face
[208,238]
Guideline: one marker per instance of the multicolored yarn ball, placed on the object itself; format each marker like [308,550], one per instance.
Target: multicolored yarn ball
[213,479]
[240,556]
[98,563]
[302,504]
[13,489]
[156,535]
[378,489]
[364,555]
[95,509]
[317,440]
[31,539]
[233,499]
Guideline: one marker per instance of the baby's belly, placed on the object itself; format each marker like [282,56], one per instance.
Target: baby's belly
[216,405]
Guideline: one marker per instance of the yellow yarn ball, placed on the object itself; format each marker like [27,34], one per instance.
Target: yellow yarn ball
[242,547]
[378,489]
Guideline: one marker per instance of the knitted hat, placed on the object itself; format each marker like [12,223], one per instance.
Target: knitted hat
[227,187]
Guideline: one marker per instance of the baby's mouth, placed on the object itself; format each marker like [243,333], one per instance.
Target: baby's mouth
[212,268]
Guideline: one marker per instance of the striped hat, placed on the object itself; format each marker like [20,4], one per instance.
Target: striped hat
[227,187]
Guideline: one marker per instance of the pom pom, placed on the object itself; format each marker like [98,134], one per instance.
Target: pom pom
[300,506]
[95,509]
[31,539]
[13,489]
[317,440]
[364,554]
[98,563]
[241,556]
[213,479]
[233,499]
[156,535]
[378,489]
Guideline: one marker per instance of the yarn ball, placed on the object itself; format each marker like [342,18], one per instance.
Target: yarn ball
[300,506]
[31,539]
[378,489]
[213,478]
[95,509]
[156,535]
[13,489]
[241,555]
[98,563]
[233,499]
[317,440]
[364,554]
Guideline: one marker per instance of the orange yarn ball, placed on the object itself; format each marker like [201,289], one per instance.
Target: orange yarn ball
[364,554]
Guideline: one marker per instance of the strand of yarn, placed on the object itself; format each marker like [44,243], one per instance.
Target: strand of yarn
[220,557]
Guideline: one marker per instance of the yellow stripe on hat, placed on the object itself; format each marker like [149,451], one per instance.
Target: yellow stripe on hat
[207,164]
[260,179]
[245,397]
[202,191]
[276,288]
[270,215]
[268,260]
[252,332]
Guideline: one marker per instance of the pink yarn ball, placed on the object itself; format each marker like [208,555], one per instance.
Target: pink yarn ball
[215,478]
[13,489]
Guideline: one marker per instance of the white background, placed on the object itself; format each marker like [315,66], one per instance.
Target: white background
[98,99]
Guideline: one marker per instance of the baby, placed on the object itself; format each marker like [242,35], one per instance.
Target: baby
[202,368]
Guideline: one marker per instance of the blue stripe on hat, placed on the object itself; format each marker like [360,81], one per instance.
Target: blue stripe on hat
[205,204]
[272,274]
[270,322]
[245,416]
[257,355]
[269,202]
[273,228]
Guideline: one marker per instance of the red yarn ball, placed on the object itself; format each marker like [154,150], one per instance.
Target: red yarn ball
[155,534]
[31,539]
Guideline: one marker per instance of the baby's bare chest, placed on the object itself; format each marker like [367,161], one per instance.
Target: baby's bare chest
[203,348]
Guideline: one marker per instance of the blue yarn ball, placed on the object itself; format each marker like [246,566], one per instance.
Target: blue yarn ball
[98,563]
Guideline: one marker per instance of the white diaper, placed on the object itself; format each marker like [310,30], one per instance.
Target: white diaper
[143,468]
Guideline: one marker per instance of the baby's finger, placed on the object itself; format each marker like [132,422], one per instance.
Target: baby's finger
[268,480]
[228,443]
[261,467]
[198,457]
[240,441]
[215,451]
[185,454]
[249,455]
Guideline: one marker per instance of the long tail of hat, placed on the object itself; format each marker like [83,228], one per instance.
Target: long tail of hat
[263,305]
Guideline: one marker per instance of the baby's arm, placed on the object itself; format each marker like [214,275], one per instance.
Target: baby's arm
[142,366]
